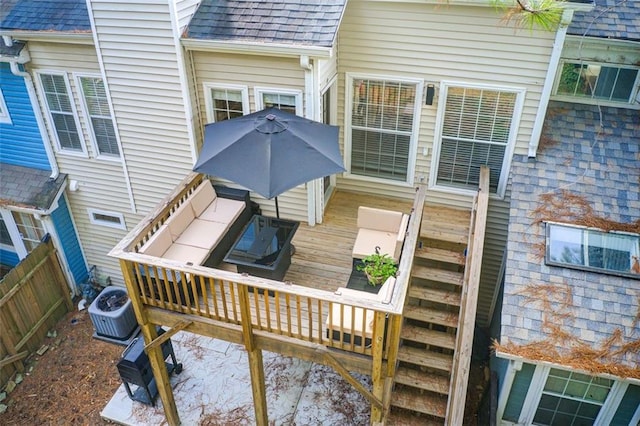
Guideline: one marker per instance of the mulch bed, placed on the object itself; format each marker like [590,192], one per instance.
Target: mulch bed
[70,383]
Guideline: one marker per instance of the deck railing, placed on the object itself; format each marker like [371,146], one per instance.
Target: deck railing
[468,304]
[278,308]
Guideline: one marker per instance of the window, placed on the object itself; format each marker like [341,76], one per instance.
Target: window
[57,95]
[590,249]
[30,229]
[380,137]
[571,398]
[477,126]
[225,101]
[99,117]
[105,218]
[286,100]
[593,81]
[5,237]
[4,111]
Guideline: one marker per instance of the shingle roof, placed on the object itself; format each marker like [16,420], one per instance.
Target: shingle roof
[45,15]
[603,167]
[29,188]
[609,19]
[295,22]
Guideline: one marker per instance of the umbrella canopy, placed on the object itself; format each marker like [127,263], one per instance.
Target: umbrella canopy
[270,151]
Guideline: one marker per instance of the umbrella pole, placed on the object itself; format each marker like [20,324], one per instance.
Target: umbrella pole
[277,209]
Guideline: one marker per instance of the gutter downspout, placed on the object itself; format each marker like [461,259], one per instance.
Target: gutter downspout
[311,109]
[554,61]
[37,112]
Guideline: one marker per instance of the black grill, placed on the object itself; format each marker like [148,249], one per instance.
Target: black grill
[135,369]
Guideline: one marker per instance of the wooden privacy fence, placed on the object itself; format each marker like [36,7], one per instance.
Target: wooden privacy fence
[33,297]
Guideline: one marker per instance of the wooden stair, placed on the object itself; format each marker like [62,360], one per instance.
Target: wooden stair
[421,383]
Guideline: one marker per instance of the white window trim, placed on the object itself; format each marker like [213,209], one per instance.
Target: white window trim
[87,118]
[208,102]
[415,127]
[45,105]
[5,116]
[538,381]
[508,153]
[632,103]
[586,268]
[18,245]
[92,219]
[259,91]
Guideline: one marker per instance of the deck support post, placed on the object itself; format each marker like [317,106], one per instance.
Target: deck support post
[256,366]
[156,358]
[377,376]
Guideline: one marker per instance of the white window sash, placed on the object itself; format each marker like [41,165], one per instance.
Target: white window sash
[509,146]
[260,92]
[208,99]
[413,134]
[49,114]
[89,118]
[5,116]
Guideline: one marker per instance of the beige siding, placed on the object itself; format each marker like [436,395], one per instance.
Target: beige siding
[254,71]
[438,43]
[185,10]
[102,182]
[140,62]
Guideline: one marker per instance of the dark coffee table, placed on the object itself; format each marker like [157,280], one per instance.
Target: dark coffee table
[264,247]
[358,280]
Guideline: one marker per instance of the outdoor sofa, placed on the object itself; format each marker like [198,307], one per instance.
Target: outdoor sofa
[385,229]
[201,230]
[354,320]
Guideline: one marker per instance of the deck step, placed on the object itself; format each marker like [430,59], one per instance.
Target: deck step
[434,295]
[427,336]
[426,358]
[443,234]
[449,215]
[426,403]
[439,275]
[400,417]
[435,316]
[441,255]
[422,380]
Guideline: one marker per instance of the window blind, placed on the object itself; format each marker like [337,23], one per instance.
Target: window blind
[56,94]
[475,132]
[97,104]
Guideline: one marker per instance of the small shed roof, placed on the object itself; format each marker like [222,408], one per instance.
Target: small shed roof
[294,22]
[29,188]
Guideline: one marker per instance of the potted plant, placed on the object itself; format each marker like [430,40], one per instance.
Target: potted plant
[378,267]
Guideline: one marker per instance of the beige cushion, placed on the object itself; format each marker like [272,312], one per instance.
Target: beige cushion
[203,234]
[223,210]
[186,254]
[368,239]
[158,243]
[381,220]
[202,197]
[180,220]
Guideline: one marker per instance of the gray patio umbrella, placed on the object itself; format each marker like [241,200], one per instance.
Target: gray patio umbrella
[270,151]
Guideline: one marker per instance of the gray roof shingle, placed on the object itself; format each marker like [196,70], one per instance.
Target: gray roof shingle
[603,167]
[294,22]
[29,188]
[618,19]
[45,15]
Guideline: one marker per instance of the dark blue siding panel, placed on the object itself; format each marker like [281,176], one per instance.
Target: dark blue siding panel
[22,144]
[518,393]
[68,238]
[627,407]
[9,258]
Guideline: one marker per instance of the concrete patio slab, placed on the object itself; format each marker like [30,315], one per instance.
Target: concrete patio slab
[215,388]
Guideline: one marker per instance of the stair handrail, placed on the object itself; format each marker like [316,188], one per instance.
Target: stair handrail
[468,304]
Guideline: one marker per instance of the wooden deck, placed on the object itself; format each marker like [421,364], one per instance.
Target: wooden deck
[323,252]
